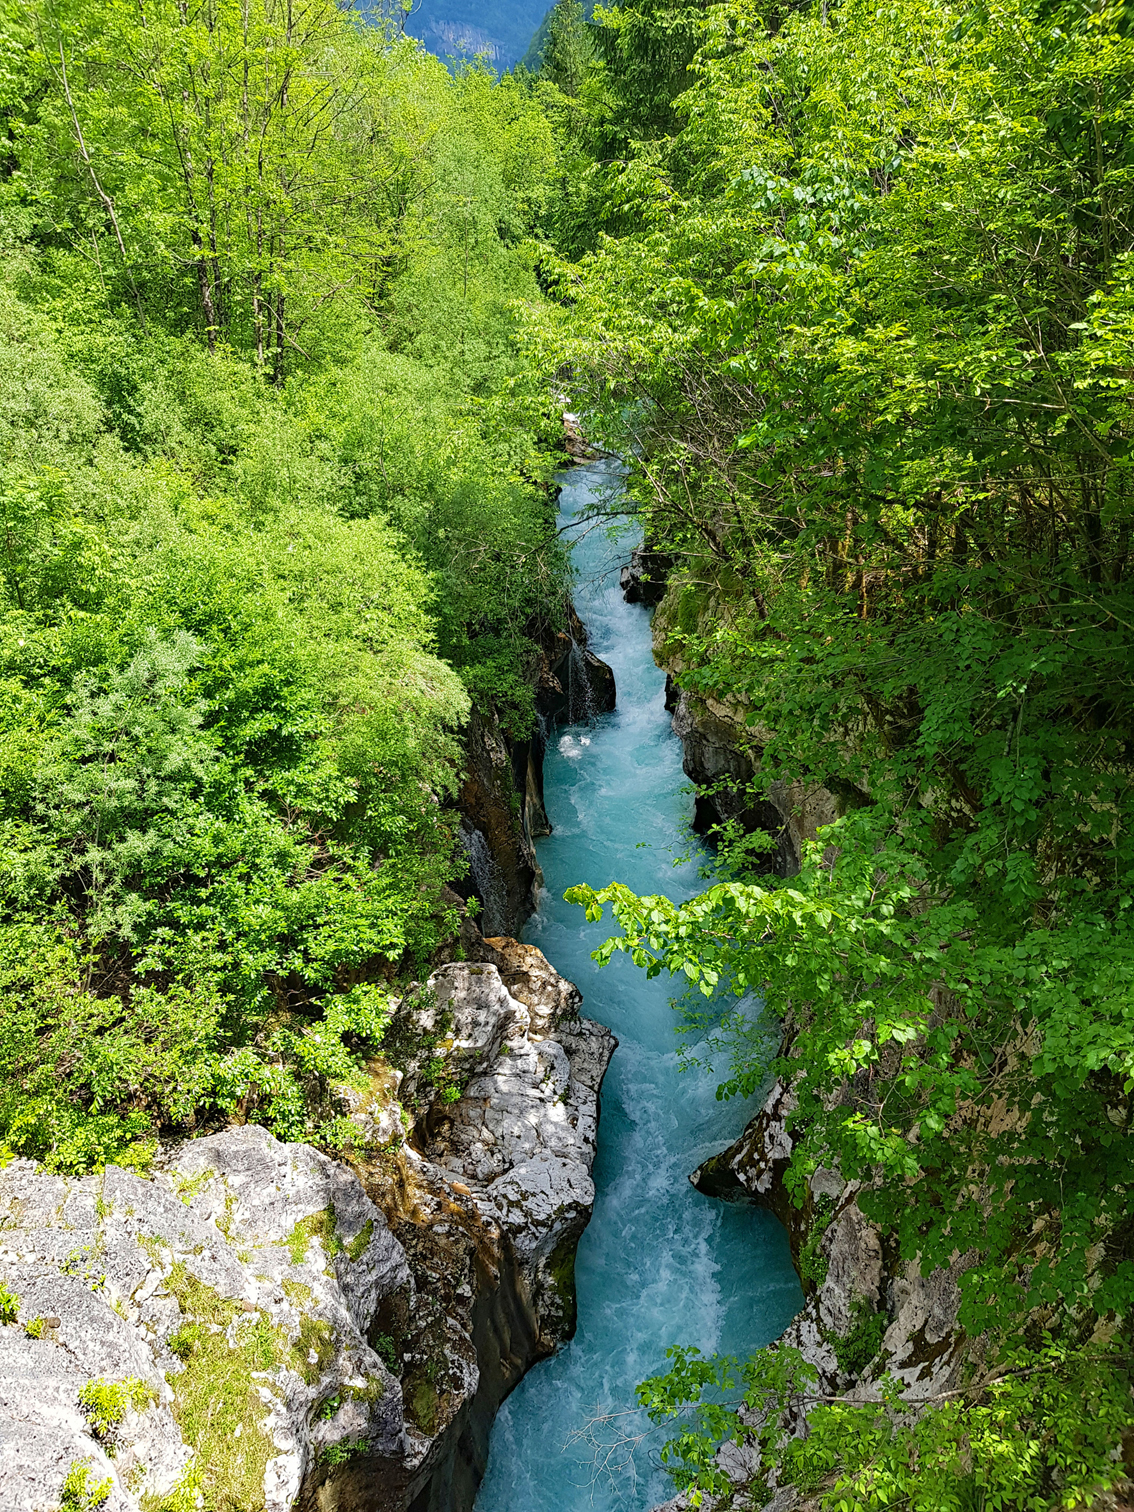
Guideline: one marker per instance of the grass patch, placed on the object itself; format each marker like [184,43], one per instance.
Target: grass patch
[297,1293]
[187,1187]
[216,1405]
[357,1246]
[9,1305]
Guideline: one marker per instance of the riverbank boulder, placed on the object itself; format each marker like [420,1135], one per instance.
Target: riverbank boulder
[242,1272]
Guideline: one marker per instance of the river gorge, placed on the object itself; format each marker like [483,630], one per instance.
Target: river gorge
[660,1263]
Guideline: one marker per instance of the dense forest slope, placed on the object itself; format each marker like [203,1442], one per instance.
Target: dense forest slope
[288,314]
[273,517]
[853,288]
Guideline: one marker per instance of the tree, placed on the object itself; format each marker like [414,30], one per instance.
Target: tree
[568,53]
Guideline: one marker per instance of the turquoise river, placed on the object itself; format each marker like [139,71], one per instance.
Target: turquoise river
[659,1264]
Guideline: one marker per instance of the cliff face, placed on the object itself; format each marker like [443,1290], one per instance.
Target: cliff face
[501,798]
[327,1335]
[722,752]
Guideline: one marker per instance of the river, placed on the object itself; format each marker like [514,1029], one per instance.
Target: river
[659,1264]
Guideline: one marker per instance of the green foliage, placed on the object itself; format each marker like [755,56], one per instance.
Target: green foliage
[81,1492]
[568,50]
[855,1349]
[864,316]
[339,1454]
[273,511]
[1048,1418]
[9,1304]
[386,1351]
[812,1262]
[105,1403]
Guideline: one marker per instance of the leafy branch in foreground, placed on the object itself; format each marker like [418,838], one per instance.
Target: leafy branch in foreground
[1045,1423]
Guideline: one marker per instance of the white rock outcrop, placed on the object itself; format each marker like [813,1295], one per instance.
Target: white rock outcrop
[521,1138]
[97,1264]
[452,1251]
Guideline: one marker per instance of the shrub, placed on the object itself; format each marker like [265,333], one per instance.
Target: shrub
[105,1403]
[80,1492]
[9,1305]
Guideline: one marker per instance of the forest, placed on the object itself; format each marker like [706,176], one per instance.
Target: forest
[289,313]
[274,514]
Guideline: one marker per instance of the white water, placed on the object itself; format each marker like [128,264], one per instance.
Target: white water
[659,1264]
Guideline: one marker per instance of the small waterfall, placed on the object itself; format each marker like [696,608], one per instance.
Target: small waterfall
[488,882]
[580,694]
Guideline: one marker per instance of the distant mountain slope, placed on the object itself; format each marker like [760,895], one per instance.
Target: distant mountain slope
[502,29]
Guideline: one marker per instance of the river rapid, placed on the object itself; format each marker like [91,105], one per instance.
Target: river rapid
[659,1264]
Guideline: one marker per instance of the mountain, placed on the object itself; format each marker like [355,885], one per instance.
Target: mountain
[502,29]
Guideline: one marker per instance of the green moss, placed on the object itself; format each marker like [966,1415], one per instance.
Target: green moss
[224,1222]
[357,1246]
[297,1293]
[319,1226]
[422,1404]
[185,1340]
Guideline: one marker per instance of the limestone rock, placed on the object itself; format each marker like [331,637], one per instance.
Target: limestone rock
[550,999]
[448,1261]
[521,1138]
[722,757]
[642,579]
[922,1343]
[115,1257]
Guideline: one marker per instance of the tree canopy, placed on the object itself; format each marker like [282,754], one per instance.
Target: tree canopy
[862,324]
[274,514]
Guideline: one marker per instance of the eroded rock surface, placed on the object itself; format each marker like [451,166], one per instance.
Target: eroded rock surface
[520,1139]
[369,1318]
[112,1270]
[863,1316]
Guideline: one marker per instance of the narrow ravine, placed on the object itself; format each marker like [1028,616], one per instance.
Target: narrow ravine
[660,1263]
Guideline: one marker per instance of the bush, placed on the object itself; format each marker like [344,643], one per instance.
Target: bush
[81,1493]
